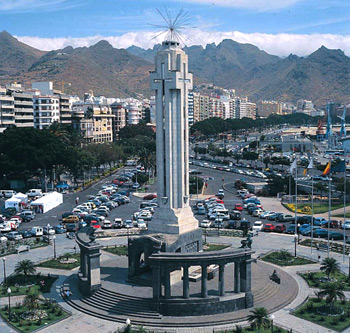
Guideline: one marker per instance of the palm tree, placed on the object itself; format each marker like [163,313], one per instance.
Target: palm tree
[330,266]
[25,267]
[145,158]
[259,317]
[32,301]
[238,329]
[332,292]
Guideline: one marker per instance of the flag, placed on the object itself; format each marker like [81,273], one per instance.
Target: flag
[293,167]
[310,166]
[339,167]
[327,170]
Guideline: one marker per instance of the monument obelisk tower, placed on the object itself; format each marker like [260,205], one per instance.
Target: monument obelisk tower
[171,82]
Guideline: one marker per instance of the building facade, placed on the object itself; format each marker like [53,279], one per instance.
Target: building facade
[46,111]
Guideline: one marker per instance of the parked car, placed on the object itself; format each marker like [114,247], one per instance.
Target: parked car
[14,235]
[205,224]
[9,193]
[257,212]
[141,224]
[25,233]
[336,235]
[280,228]
[320,233]
[318,221]
[346,225]
[268,227]
[48,230]
[106,224]
[235,215]
[128,224]
[286,218]
[27,215]
[118,222]
[274,217]
[150,196]
[266,214]
[307,231]
[291,229]
[201,211]
[72,227]
[258,225]
[37,231]
[238,206]
[60,229]
[332,224]
[34,192]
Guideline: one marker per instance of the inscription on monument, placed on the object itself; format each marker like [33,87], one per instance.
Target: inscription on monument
[192,247]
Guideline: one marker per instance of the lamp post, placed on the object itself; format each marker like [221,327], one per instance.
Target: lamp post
[54,246]
[4,261]
[295,244]
[272,317]
[349,265]
[9,295]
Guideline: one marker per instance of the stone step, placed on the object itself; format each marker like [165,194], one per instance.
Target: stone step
[116,294]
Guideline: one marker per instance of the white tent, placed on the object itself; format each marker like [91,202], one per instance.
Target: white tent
[13,202]
[23,197]
[47,202]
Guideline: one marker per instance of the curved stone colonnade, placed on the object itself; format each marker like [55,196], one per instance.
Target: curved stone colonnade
[164,263]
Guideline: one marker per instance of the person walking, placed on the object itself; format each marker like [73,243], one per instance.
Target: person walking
[76,200]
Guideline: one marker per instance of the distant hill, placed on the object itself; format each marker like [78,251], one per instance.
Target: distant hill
[323,75]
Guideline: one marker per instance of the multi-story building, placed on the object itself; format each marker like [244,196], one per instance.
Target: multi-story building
[119,120]
[247,109]
[265,108]
[65,109]
[95,122]
[305,106]
[23,105]
[7,109]
[190,109]
[46,111]
[134,114]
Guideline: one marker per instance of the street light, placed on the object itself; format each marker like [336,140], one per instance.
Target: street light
[295,244]
[272,317]
[9,294]
[54,246]
[4,261]
[349,265]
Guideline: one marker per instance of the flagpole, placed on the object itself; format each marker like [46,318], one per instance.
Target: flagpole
[329,208]
[296,206]
[344,235]
[312,201]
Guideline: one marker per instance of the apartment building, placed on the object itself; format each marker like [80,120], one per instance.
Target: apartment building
[46,111]
[265,108]
[7,109]
[65,108]
[119,120]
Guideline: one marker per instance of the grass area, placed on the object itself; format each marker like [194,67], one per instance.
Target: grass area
[311,311]
[214,247]
[10,247]
[334,246]
[57,264]
[34,284]
[319,207]
[313,279]
[285,258]
[347,215]
[117,250]
[54,313]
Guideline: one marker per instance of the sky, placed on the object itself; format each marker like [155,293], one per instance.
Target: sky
[279,27]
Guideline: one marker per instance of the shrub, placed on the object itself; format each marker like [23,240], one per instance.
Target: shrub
[321,319]
[334,321]
[342,317]
[301,311]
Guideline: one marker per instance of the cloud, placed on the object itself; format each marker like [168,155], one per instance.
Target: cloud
[31,5]
[280,44]
[264,5]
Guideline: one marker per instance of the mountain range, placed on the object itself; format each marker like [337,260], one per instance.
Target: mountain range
[322,76]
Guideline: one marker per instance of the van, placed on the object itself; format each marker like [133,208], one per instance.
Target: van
[37,231]
[34,192]
[27,215]
[9,193]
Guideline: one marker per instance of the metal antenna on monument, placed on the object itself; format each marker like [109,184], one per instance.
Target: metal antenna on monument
[173,27]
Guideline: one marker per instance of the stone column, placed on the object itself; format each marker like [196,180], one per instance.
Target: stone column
[167,282]
[237,277]
[186,283]
[222,280]
[204,281]
[82,263]
[156,282]
[245,269]
[93,265]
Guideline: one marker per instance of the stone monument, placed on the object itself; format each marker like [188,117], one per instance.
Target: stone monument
[173,227]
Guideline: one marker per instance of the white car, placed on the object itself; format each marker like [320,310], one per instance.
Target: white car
[205,224]
[258,225]
[265,215]
[257,212]
[141,224]
[3,239]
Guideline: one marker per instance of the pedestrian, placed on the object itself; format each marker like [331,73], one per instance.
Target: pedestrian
[76,200]
[319,258]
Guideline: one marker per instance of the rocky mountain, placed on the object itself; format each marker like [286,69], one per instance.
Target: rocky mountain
[322,76]
[15,57]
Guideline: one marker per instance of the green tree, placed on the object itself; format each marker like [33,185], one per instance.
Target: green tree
[330,266]
[250,156]
[146,158]
[25,267]
[332,292]
[131,131]
[259,318]
[32,301]
[238,329]
[237,157]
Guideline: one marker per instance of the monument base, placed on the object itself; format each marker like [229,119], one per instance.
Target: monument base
[141,247]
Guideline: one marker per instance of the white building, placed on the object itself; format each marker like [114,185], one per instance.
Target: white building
[46,111]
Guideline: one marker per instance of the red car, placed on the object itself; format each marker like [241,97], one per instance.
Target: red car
[95,225]
[117,182]
[238,206]
[268,227]
[150,196]
[280,228]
